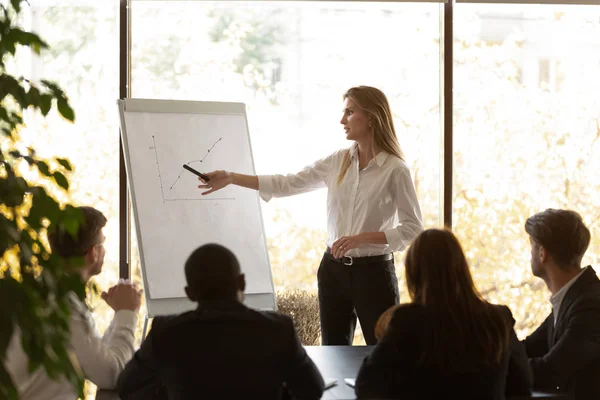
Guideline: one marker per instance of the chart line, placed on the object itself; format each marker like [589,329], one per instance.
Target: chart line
[208,151]
[158,167]
[193,161]
[181,173]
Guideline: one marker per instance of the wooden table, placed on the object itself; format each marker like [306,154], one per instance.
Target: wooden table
[340,362]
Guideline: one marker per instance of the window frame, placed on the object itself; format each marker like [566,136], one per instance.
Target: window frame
[446,101]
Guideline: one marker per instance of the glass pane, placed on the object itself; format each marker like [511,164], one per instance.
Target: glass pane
[290,63]
[84,61]
[527,133]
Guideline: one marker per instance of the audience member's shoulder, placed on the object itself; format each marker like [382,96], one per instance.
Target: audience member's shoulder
[163,322]
[275,318]
[589,293]
[593,283]
[398,316]
[408,312]
[79,309]
[505,312]
[585,293]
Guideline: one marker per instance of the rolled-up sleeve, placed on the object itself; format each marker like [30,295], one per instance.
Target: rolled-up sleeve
[103,360]
[310,178]
[410,221]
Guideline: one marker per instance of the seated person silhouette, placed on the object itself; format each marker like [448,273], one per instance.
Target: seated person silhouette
[223,349]
[449,342]
[564,351]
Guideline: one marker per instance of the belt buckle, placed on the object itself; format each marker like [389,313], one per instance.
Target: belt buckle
[346,263]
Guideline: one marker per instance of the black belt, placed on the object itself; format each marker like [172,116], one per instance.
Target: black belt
[358,260]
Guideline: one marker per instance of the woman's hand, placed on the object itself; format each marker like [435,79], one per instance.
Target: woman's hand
[218,180]
[346,243]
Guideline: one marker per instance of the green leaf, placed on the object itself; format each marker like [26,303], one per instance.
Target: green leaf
[54,88]
[44,168]
[45,104]
[11,86]
[10,234]
[3,114]
[65,163]
[34,97]
[43,206]
[34,221]
[72,218]
[73,282]
[29,39]
[12,191]
[61,180]
[10,46]
[3,88]
[16,5]
[71,226]
[65,109]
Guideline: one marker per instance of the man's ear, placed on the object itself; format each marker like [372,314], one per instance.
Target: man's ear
[542,254]
[190,294]
[91,256]
[241,283]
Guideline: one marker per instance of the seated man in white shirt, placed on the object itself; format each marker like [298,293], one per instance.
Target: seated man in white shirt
[101,358]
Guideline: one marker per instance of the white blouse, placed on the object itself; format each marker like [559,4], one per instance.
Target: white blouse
[378,198]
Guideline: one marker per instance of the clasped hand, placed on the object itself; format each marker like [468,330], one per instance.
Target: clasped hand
[123,296]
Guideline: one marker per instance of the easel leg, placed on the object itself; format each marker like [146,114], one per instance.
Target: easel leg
[145,327]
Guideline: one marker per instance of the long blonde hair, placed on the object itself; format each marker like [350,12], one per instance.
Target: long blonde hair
[372,101]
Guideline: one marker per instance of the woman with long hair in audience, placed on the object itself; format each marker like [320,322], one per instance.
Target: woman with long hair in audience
[449,342]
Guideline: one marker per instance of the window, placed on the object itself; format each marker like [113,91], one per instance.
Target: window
[291,62]
[551,74]
[523,145]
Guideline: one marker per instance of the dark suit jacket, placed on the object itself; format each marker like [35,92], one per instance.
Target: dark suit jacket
[566,357]
[222,350]
[390,372]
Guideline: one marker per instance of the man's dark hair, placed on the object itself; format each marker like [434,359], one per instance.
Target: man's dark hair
[562,233]
[65,245]
[212,273]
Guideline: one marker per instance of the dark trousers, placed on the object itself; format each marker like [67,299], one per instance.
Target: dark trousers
[348,291]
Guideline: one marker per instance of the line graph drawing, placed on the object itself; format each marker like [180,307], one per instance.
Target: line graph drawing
[160,175]
[194,161]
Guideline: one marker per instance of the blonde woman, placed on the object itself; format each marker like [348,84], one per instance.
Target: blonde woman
[372,211]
